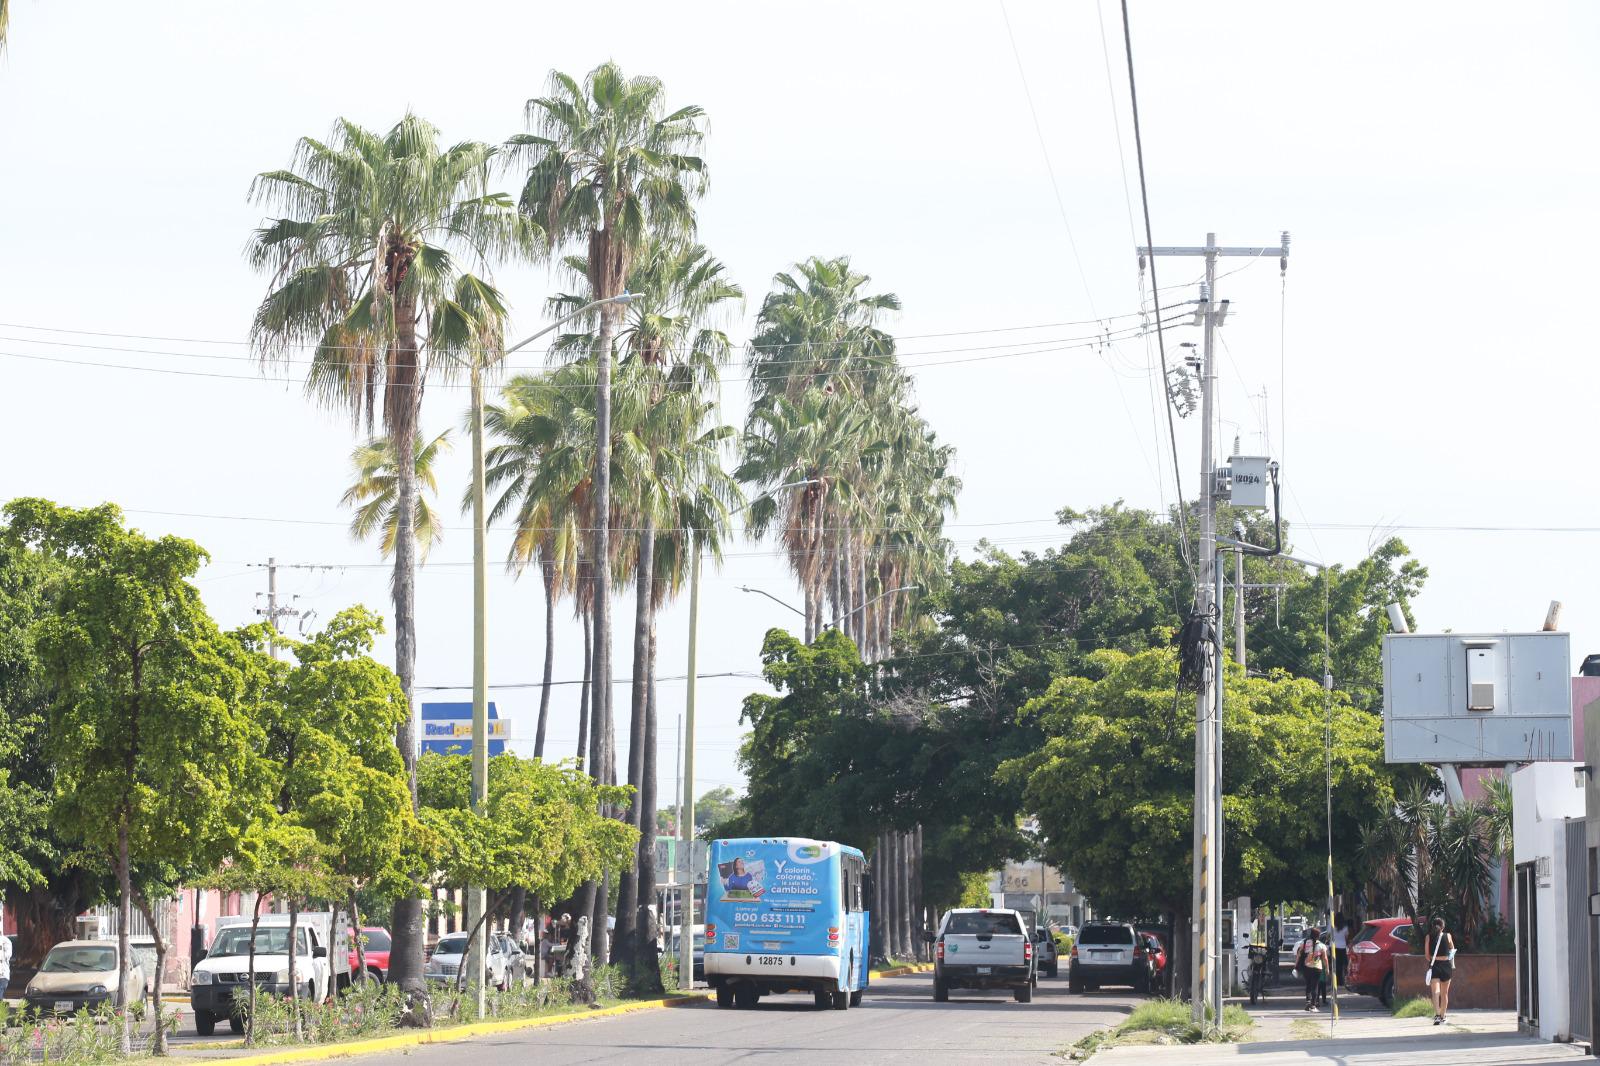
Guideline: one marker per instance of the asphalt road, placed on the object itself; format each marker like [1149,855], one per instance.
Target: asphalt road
[897,1022]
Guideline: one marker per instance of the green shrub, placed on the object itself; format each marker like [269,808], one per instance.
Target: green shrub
[1416,1007]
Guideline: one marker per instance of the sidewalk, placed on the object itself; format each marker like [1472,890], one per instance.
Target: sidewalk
[1364,1034]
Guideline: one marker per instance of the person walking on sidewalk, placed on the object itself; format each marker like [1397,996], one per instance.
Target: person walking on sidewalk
[1440,947]
[1310,959]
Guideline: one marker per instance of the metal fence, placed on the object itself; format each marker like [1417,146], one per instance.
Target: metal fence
[1580,997]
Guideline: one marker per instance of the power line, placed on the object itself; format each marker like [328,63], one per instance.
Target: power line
[1091,343]
[1044,150]
[1155,284]
[1097,321]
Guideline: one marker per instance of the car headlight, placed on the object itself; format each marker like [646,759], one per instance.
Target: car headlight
[200,977]
[281,977]
[97,990]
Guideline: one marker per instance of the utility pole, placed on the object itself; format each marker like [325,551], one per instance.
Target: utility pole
[272,612]
[477,895]
[686,821]
[1206,902]
[1238,607]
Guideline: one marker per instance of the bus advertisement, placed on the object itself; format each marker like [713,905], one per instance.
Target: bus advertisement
[786,914]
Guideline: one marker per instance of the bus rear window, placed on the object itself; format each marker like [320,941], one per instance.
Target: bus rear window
[974,924]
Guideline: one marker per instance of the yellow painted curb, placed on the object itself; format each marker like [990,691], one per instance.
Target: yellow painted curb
[445,1036]
[901,971]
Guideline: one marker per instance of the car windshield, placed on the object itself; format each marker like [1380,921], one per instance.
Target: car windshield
[79,960]
[235,940]
[374,940]
[1105,934]
[973,923]
[451,945]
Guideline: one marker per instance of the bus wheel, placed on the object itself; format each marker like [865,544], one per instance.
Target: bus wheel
[855,998]
[724,996]
[822,1000]
[745,997]
[841,1000]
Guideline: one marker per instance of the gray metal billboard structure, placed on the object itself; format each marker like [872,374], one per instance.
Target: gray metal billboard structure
[1477,698]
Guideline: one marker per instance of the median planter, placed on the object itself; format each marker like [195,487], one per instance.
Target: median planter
[1486,982]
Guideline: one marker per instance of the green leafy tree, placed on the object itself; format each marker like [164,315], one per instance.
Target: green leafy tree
[541,830]
[154,754]
[329,719]
[42,884]
[379,266]
[1113,783]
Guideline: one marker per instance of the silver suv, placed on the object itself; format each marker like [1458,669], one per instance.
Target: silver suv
[1108,953]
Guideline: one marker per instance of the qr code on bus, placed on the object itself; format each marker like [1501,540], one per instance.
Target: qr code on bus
[730,941]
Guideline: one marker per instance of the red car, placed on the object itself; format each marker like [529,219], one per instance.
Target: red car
[1372,955]
[375,946]
[1156,952]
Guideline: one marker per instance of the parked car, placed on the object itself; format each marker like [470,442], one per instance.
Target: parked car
[444,965]
[1109,953]
[1156,951]
[375,945]
[1372,953]
[982,948]
[226,967]
[78,974]
[1045,960]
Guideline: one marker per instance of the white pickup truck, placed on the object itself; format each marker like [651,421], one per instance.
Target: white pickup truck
[983,948]
[225,968]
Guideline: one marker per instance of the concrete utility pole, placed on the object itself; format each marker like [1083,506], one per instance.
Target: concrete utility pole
[272,612]
[477,896]
[1206,957]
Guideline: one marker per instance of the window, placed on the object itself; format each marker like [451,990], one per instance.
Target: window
[1368,931]
[1401,933]
[455,944]
[974,923]
[1105,934]
[374,940]
[80,960]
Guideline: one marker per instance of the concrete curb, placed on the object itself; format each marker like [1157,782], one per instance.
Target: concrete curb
[901,971]
[451,1035]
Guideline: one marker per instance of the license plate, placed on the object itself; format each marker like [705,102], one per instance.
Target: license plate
[769,960]
[1104,954]
[64,1006]
[986,969]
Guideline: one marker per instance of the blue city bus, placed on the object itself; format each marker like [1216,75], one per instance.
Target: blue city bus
[786,914]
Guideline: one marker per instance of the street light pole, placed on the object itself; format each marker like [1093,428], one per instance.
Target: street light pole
[477,898]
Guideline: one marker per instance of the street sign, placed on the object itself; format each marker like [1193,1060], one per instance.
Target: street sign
[447,729]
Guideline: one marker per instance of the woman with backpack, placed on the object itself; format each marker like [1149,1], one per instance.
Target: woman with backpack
[1310,960]
[1440,947]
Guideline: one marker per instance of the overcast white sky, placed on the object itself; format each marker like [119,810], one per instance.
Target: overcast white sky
[1434,162]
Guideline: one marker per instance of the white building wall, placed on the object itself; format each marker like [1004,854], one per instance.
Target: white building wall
[1544,795]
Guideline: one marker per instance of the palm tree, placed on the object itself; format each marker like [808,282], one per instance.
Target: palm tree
[5,21]
[375,490]
[366,271]
[671,350]
[608,167]
[819,328]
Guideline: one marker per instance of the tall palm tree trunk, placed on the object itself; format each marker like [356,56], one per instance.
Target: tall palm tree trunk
[600,556]
[547,568]
[638,816]
[583,696]
[648,963]
[401,416]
